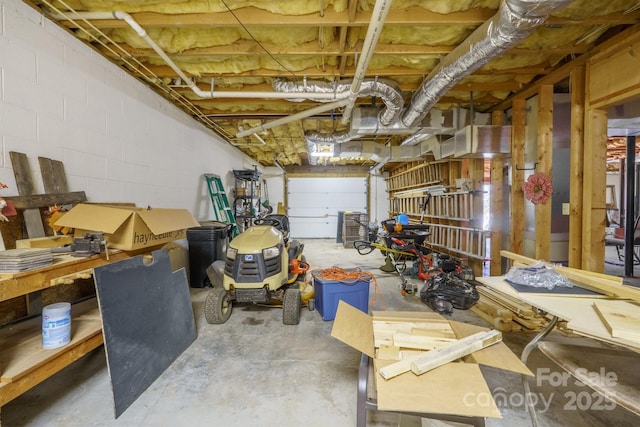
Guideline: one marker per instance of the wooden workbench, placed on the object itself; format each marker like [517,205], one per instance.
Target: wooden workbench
[23,361]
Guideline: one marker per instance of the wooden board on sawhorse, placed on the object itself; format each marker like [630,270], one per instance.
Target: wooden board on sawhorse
[220,202]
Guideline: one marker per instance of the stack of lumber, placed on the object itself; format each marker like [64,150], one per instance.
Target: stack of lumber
[507,313]
[597,282]
[422,346]
[594,315]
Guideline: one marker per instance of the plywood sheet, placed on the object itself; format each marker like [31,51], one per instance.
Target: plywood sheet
[454,388]
[585,321]
[497,283]
[498,355]
[147,322]
[621,318]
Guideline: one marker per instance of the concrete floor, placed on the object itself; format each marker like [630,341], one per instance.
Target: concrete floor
[255,371]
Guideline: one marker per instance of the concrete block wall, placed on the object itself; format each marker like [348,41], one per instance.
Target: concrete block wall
[119,141]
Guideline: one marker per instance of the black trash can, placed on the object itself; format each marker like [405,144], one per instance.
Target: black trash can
[206,245]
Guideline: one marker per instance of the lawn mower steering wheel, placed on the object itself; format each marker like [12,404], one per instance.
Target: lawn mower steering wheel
[267,221]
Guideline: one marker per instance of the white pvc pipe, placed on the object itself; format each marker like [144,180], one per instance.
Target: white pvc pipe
[298,116]
[258,137]
[347,98]
[124,16]
[379,15]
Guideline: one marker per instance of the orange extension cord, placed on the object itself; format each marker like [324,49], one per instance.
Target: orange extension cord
[349,277]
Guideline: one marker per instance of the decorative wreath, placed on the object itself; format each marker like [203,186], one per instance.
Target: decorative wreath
[537,188]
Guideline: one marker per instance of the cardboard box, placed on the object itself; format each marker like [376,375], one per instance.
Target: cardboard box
[328,293]
[454,388]
[129,228]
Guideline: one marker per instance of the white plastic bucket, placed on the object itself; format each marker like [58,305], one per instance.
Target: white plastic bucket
[56,325]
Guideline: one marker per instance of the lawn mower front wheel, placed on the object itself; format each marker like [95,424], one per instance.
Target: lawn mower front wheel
[217,306]
[291,306]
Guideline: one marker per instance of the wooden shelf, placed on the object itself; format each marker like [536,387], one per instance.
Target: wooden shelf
[17,284]
[23,361]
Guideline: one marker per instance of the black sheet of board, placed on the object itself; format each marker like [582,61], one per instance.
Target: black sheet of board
[147,322]
[558,290]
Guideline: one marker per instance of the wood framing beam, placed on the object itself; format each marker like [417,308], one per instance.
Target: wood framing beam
[331,71]
[495,202]
[308,171]
[614,76]
[251,16]
[335,48]
[544,156]
[576,165]
[562,72]
[518,122]
[476,173]
[594,189]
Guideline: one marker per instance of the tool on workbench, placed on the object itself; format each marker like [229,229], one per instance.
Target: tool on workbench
[91,243]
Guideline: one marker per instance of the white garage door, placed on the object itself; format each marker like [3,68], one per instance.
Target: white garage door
[314,204]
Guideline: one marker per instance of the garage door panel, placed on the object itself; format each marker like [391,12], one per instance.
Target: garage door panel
[337,200]
[309,212]
[314,203]
[316,227]
[309,199]
[321,185]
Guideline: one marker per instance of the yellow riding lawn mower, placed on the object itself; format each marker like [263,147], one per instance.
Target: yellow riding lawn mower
[262,267]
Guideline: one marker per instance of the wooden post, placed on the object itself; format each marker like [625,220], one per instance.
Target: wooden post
[517,155]
[476,173]
[545,147]
[577,81]
[594,202]
[495,197]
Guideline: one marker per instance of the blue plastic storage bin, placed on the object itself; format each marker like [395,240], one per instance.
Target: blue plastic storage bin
[329,293]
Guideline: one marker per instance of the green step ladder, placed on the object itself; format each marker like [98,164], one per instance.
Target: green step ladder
[220,203]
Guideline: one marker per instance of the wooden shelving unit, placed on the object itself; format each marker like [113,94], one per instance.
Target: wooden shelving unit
[23,361]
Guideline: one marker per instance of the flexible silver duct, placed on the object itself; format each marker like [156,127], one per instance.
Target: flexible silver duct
[313,138]
[387,90]
[515,20]
[330,138]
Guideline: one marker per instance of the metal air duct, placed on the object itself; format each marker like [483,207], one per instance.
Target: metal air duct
[387,90]
[479,142]
[515,20]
